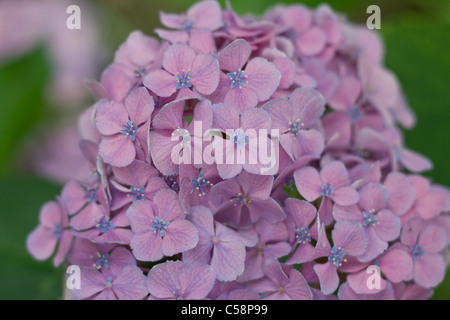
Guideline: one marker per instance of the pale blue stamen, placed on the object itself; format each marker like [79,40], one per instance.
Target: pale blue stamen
[302,235]
[294,127]
[187,26]
[91,195]
[240,138]
[337,256]
[237,79]
[354,113]
[370,219]
[104,224]
[327,191]
[138,193]
[108,283]
[171,182]
[57,231]
[102,261]
[199,184]
[183,80]
[241,199]
[130,130]
[417,251]
[159,225]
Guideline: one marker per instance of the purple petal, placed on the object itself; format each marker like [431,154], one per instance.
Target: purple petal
[336,174]
[241,98]
[117,150]
[401,193]
[205,74]
[389,225]
[161,82]
[131,284]
[302,212]
[415,162]
[350,236]
[429,270]
[206,14]
[140,215]
[308,183]
[358,281]
[162,279]
[433,239]
[139,105]
[178,57]
[311,42]
[181,235]
[307,105]
[328,277]
[147,246]
[41,243]
[396,265]
[110,116]
[92,282]
[168,205]
[373,196]
[197,281]
[235,55]
[263,77]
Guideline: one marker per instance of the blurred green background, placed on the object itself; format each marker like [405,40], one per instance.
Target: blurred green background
[416,35]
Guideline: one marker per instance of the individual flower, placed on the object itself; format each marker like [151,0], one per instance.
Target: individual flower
[135,58]
[135,182]
[272,243]
[281,283]
[160,228]
[295,117]
[51,232]
[244,83]
[130,284]
[205,14]
[174,142]
[246,145]
[110,259]
[300,215]
[332,184]
[424,243]
[349,239]
[124,127]
[176,280]
[246,199]
[184,69]
[379,223]
[219,246]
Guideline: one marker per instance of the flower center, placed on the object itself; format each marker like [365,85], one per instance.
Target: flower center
[102,261]
[184,134]
[178,293]
[337,256]
[159,225]
[238,78]
[140,72]
[294,127]
[108,283]
[183,80]
[187,25]
[91,195]
[417,251]
[302,235]
[104,224]
[130,130]
[240,138]
[354,113]
[199,184]
[327,191]
[171,182]
[370,219]
[241,199]
[138,193]
[57,230]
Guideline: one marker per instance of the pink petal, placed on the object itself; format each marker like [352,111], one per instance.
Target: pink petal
[429,270]
[225,117]
[235,55]
[181,235]
[241,98]
[336,174]
[350,236]
[162,279]
[171,20]
[147,246]
[433,238]
[131,284]
[161,82]
[328,277]
[116,82]
[373,196]
[50,214]
[347,91]
[396,265]
[345,196]
[311,42]
[140,215]
[205,74]
[202,41]
[415,162]
[401,193]
[117,150]
[162,148]
[359,282]
[263,78]
[139,105]
[41,243]
[308,142]
[389,225]
[168,205]
[307,105]
[197,281]
[92,282]
[110,116]
[308,183]
[178,57]
[206,14]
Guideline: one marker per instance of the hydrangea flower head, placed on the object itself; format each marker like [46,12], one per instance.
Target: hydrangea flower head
[249,158]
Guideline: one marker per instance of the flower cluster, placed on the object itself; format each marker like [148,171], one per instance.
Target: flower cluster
[345,193]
